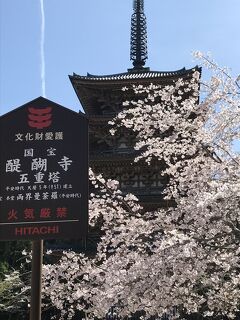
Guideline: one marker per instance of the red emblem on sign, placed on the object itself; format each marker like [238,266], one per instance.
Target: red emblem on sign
[39,118]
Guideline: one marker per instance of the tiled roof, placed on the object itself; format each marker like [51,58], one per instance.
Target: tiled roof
[134,75]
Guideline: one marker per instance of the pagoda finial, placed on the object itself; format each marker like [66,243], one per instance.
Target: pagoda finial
[138,53]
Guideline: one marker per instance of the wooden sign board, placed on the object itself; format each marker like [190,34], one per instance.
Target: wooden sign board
[43,172]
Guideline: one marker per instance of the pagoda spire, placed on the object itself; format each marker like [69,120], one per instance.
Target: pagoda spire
[138,51]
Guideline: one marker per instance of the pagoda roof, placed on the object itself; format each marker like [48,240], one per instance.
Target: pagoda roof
[135,75]
[94,91]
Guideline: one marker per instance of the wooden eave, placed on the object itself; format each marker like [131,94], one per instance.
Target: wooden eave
[112,158]
[86,87]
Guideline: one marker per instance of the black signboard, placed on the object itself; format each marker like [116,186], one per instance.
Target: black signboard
[43,172]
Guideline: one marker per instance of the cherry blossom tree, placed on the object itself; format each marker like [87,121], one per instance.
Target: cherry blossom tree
[183,259]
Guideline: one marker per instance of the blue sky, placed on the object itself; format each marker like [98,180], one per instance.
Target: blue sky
[93,36]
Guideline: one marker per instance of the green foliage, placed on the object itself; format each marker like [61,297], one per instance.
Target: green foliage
[4,269]
[11,255]
[13,277]
[12,296]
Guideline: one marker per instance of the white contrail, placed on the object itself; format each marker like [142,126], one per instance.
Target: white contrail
[42,41]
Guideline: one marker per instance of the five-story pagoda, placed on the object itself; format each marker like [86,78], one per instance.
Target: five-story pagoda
[101,98]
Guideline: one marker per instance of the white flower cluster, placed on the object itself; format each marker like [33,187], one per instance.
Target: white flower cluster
[185,257]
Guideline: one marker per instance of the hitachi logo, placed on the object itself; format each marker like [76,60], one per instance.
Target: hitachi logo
[24,231]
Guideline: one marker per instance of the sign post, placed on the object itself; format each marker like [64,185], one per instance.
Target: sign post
[36,277]
[43,179]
